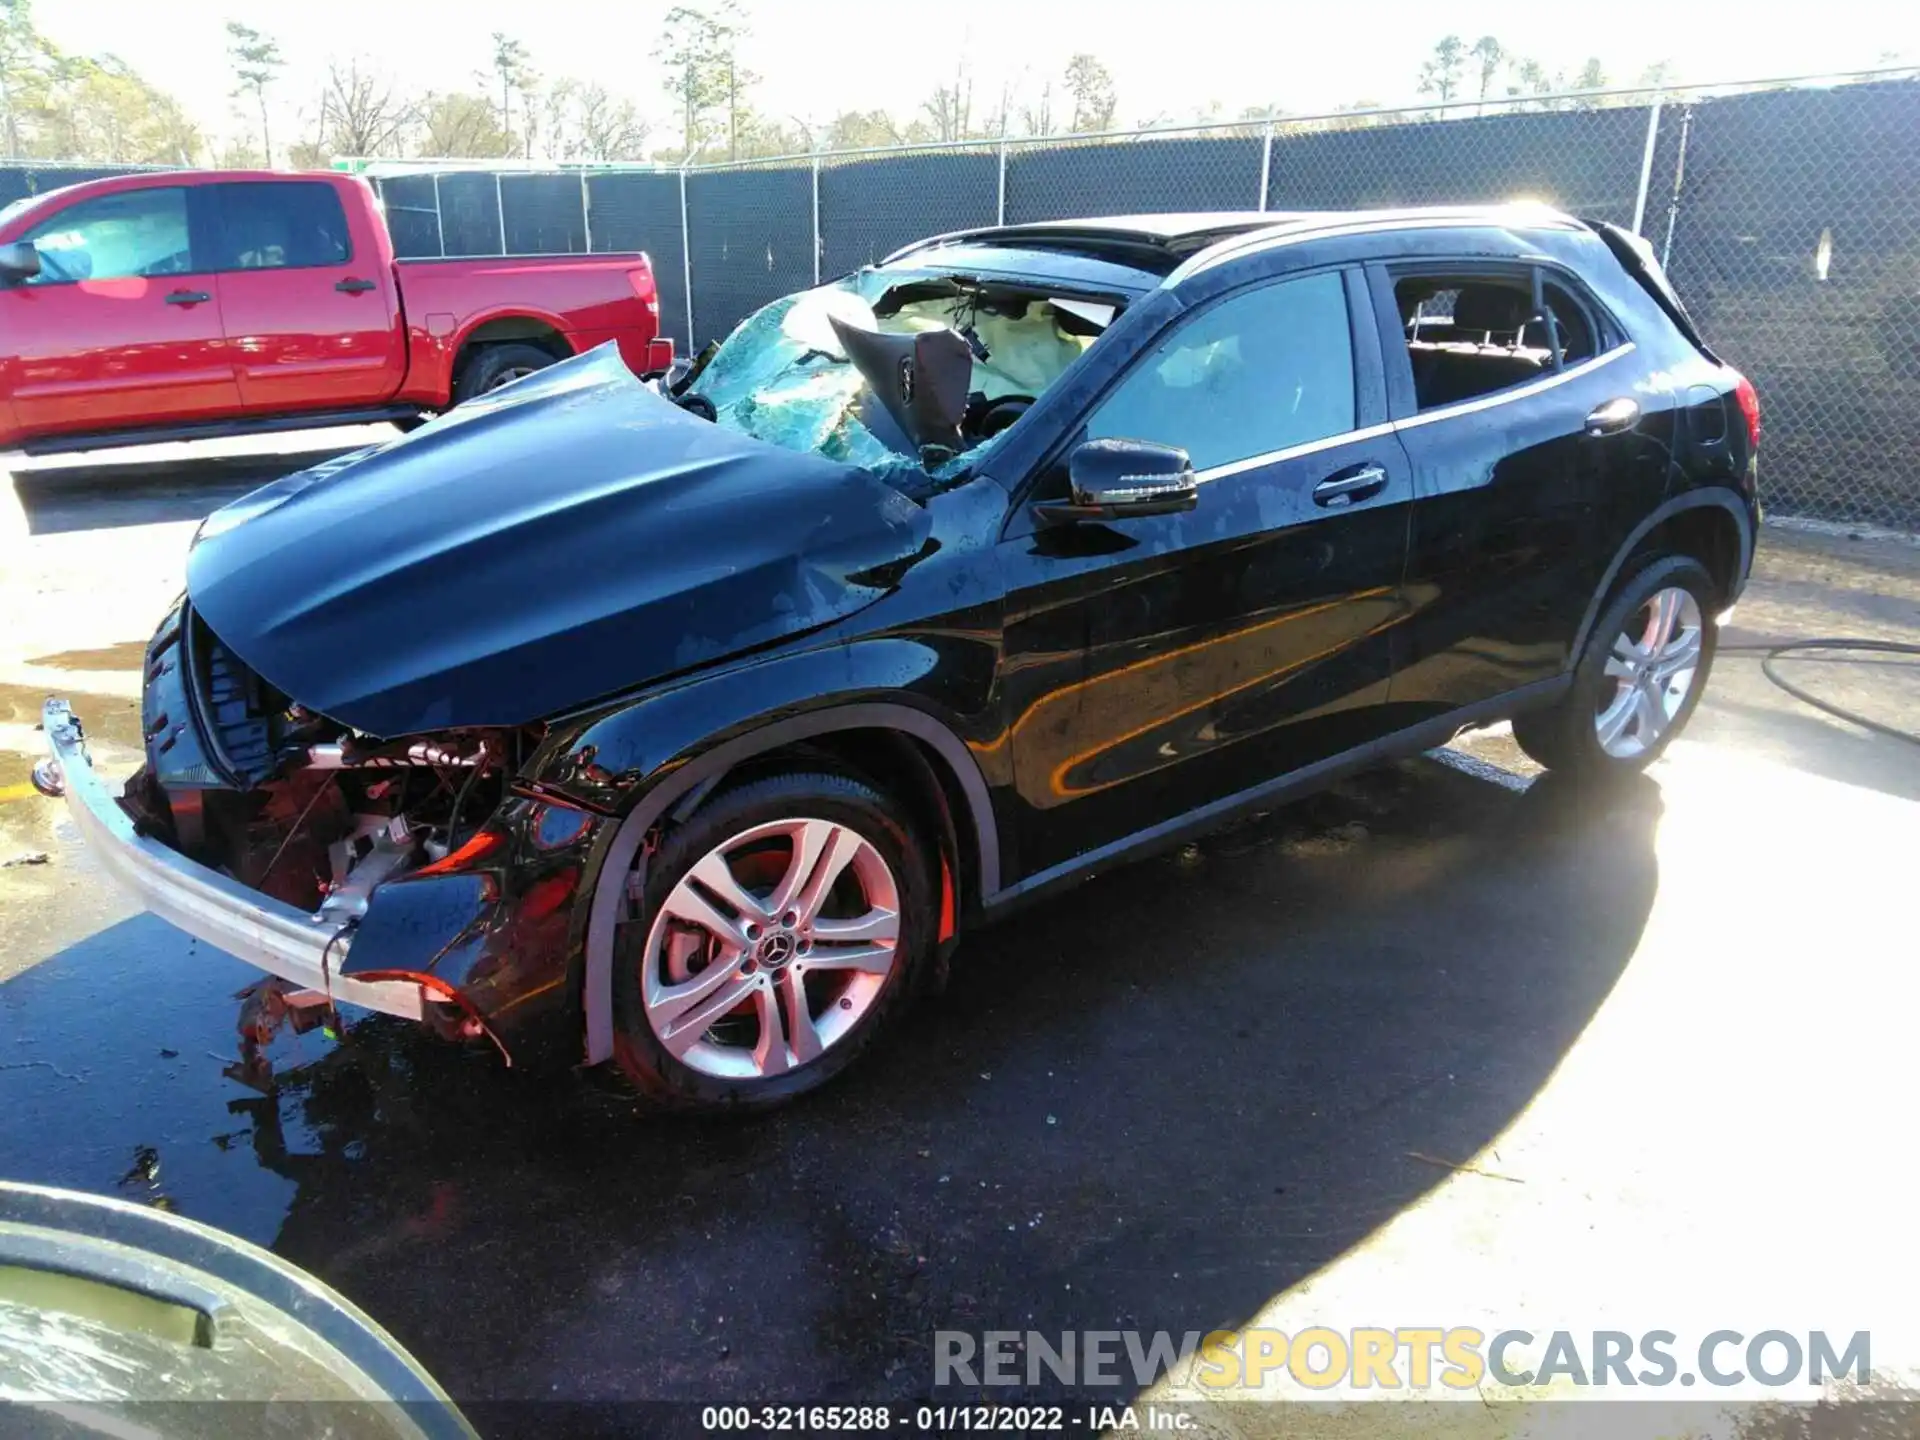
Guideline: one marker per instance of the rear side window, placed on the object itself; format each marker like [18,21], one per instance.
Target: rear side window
[1574,324]
[1263,370]
[273,225]
[115,237]
[1480,332]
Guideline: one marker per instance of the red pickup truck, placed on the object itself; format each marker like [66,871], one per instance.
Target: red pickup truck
[173,306]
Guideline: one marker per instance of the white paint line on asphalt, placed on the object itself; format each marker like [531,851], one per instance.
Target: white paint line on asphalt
[1481,770]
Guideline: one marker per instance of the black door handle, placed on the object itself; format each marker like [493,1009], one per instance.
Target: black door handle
[1368,480]
[355,287]
[188,297]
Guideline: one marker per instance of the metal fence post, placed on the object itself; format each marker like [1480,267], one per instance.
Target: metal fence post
[1000,205]
[686,257]
[1646,166]
[586,212]
[1679,180]
[500,210]
[439,225]
[1266,163]
[817,241]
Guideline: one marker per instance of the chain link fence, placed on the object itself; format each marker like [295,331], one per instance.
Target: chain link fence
[1788,214]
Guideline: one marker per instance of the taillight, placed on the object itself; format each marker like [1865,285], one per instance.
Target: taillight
[643,288]
[1749,401]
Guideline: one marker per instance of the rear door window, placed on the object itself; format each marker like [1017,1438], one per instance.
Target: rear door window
[281,225]
[1471,334]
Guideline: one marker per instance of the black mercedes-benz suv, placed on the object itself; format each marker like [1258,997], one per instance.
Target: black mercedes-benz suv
[690,725]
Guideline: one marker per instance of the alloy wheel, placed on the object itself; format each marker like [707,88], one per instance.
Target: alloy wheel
[771,948]
[509,375]
[1653,663]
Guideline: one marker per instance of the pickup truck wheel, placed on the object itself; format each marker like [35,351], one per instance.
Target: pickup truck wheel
[1636,686]
[780,930]
[495,365]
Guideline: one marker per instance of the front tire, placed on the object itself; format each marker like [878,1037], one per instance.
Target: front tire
[781,929]
[1639,679]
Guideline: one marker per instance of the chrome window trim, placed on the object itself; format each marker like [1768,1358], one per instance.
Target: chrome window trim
[1291,452]
[1517,392]
[1426,417]
[1259,241]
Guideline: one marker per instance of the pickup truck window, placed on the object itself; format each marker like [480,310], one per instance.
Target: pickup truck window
[276,225]
[114,237]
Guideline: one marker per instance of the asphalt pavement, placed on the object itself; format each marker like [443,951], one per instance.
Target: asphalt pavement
[1672,1023]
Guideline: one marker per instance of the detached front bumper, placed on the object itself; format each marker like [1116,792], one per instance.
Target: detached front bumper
[304,949]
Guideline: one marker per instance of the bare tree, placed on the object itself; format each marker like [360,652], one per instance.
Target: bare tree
[462,126]
[949,109]
[516,76]
[737,82]
[256,64]
[693,47]
[1489,54]
[609,128]
[1091,86]
[1440,75]
[1038,116]
[363,112]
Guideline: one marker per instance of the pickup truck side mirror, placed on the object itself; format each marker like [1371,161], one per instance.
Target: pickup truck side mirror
[1121,479]
[18,261]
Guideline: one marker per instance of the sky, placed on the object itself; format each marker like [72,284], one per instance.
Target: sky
[819,57]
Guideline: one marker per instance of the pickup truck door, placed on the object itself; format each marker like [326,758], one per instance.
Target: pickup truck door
[121,327]
[308,295]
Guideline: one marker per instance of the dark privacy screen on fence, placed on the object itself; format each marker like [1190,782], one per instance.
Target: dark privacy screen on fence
[1834,349]
[871,207]
[1790,220]
[1586,162]
[1090,178]
[17,182]
[751,233]
[642,212]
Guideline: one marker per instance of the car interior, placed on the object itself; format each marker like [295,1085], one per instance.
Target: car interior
[1479,334]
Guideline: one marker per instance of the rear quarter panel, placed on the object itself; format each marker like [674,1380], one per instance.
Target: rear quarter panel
[587,299]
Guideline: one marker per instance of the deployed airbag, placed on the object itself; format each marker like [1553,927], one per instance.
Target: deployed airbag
[922,379]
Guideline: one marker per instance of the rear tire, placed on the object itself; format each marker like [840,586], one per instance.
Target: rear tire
[804,899]
[492,366]
[1638,680]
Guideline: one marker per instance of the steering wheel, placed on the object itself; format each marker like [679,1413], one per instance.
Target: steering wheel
[998,415]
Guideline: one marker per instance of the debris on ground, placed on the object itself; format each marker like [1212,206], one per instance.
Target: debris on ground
[27,857]
[1425,1159]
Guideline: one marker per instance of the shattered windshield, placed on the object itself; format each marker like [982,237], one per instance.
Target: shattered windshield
[941,367]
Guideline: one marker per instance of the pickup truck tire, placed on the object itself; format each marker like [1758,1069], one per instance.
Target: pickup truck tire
[492,366]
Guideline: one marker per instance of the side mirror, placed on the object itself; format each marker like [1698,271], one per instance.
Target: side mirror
[18,261]
[1121,479]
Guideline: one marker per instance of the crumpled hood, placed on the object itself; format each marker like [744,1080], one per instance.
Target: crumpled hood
[566,538]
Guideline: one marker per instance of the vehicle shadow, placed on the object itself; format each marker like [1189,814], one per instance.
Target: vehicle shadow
[1155,1104]
[109,494]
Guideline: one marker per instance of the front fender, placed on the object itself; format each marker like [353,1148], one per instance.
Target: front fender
[640,761]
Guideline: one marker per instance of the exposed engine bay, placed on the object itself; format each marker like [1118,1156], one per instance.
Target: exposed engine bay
[290,803]
[903,376]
